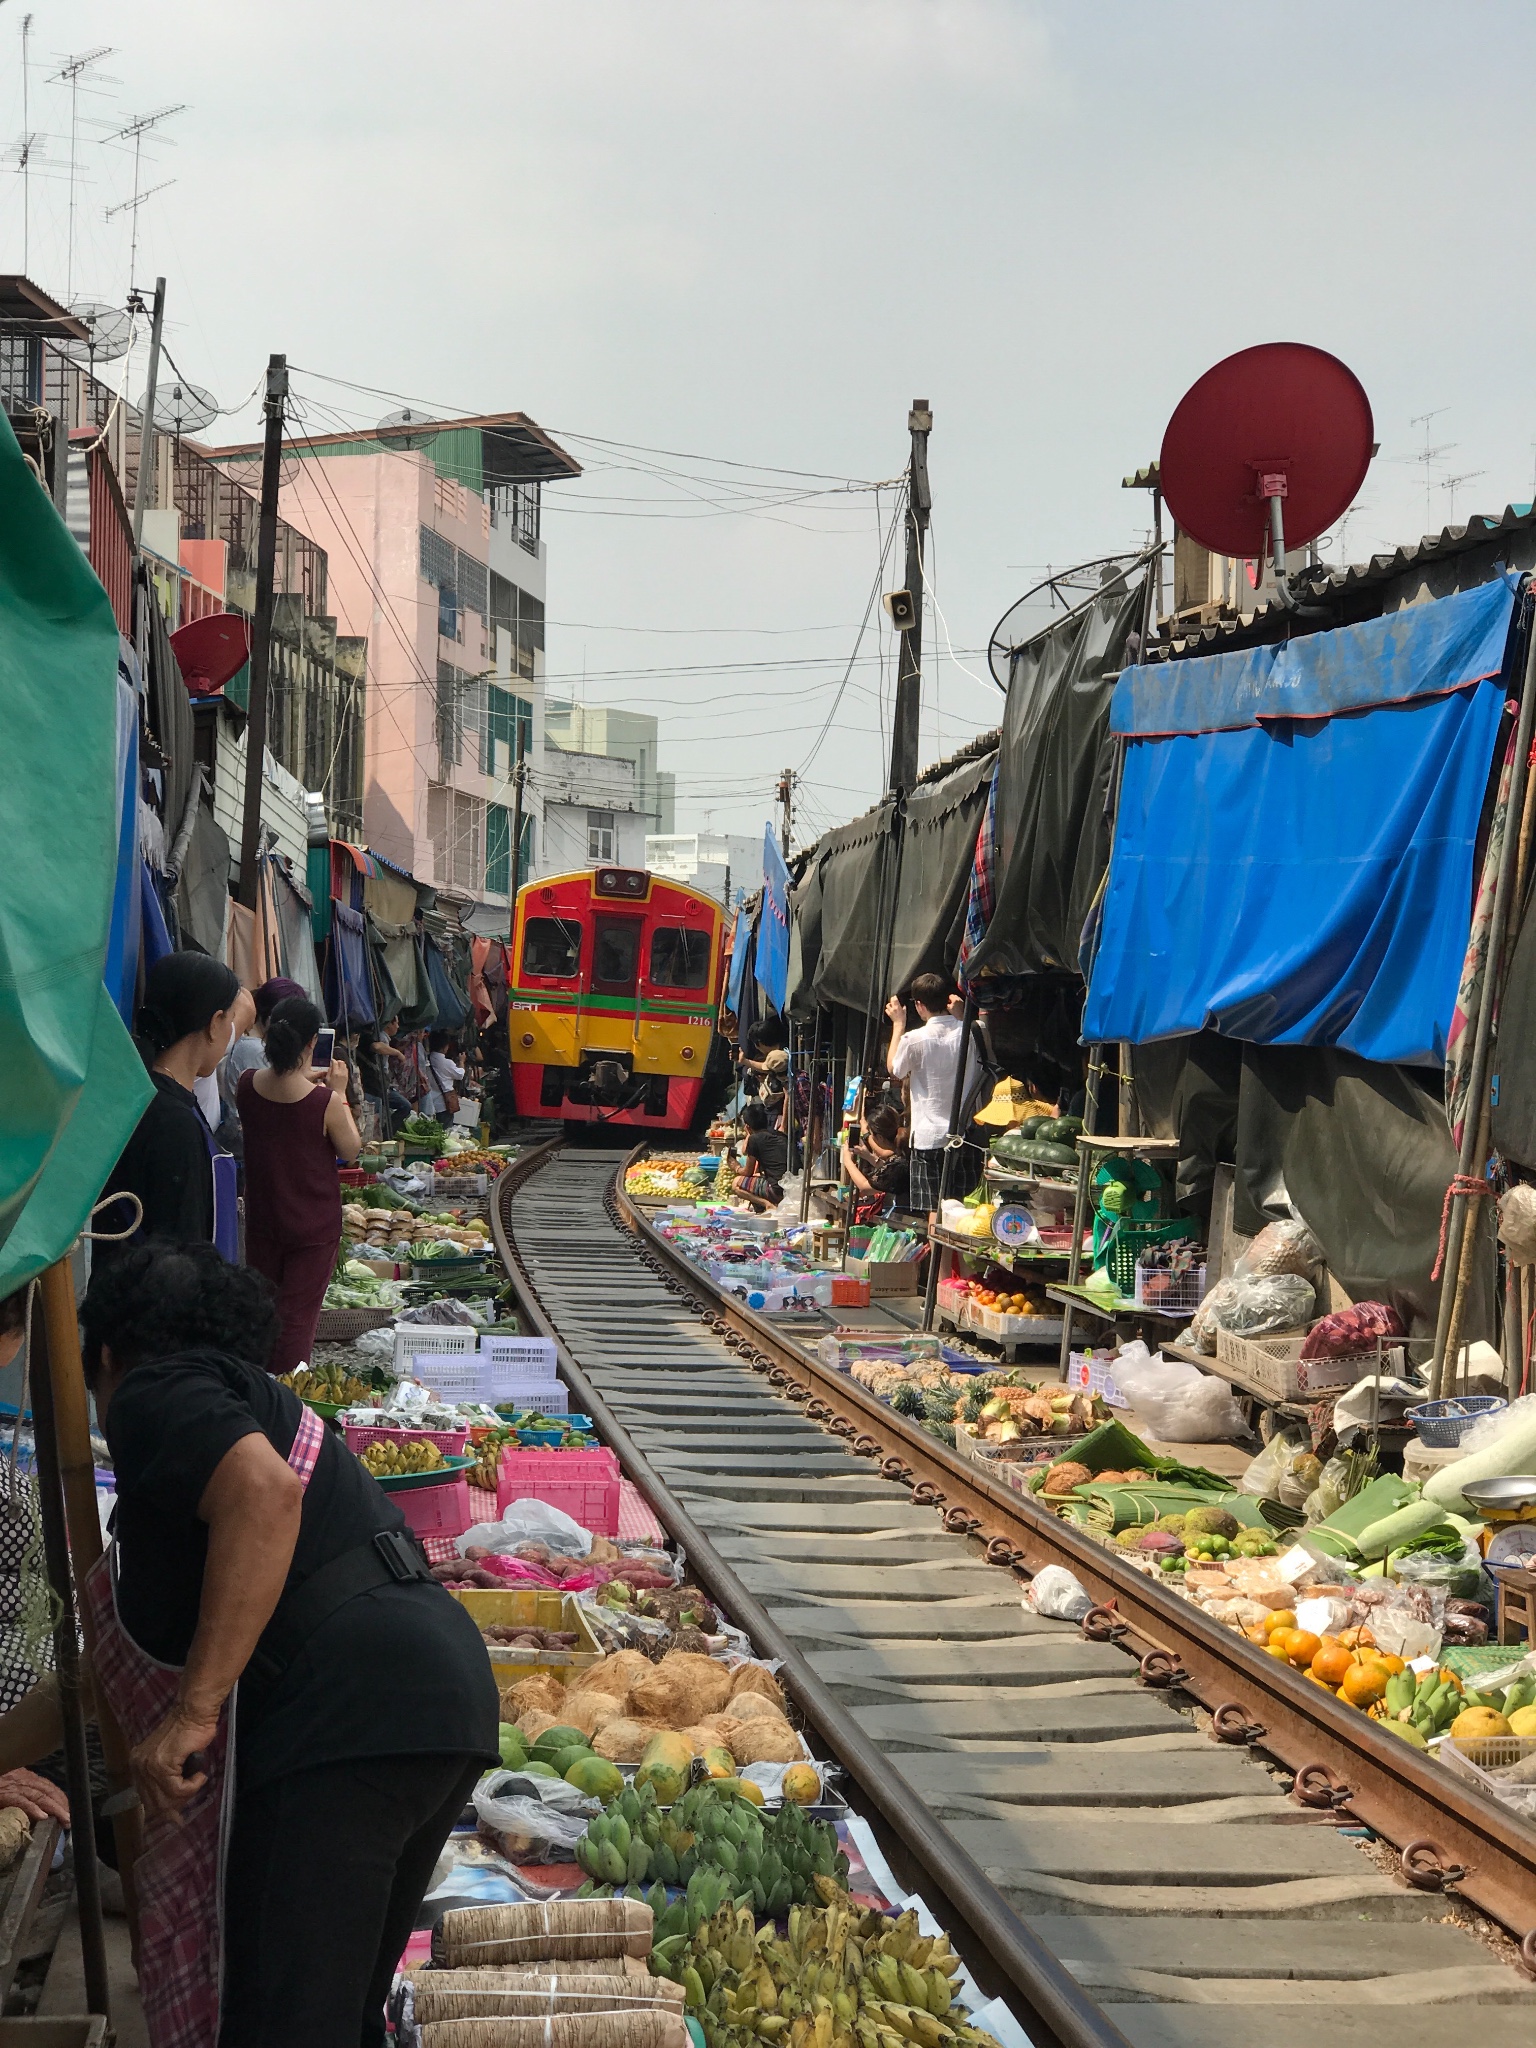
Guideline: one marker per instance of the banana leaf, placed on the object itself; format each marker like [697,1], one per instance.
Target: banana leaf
[1113,1508]
[1339,1535]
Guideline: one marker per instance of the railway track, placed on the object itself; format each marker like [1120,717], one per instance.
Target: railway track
[1138,1832]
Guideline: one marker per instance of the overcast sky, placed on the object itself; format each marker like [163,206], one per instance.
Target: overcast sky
[748,233]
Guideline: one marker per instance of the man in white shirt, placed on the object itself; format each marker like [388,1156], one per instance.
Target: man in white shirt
[926,1060]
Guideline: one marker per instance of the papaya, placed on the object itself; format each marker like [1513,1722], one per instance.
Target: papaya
[743,1788]
[595,1776]
[719,1762]
[802,1785]
[664,1766]
[553,1740]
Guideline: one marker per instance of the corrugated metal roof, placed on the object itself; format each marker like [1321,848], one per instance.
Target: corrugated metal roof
[1331,590]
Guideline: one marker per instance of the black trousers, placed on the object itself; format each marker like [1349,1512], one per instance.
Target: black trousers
[326,1870]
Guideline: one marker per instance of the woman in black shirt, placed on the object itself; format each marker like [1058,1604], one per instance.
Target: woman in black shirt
[183,1030]
[766,1154]
[257,1567]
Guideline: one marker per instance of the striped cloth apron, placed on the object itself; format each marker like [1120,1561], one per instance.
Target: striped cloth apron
[180,1875]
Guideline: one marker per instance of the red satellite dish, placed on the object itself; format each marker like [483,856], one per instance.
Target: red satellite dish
[210,651]
[1267,449]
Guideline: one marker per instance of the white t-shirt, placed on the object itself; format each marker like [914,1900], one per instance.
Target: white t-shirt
[926,1059]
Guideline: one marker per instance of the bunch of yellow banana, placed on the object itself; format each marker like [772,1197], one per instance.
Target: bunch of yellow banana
[839,1978]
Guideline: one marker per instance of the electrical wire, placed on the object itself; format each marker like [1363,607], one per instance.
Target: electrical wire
[874,592]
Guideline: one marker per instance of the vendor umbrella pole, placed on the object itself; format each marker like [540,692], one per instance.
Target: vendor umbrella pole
[952,1144]
[66,1644]
[1474,1129]
[61,1390]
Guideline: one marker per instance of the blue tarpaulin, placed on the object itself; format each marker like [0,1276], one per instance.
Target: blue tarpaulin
[772,966]
[1293,854]
[741,953]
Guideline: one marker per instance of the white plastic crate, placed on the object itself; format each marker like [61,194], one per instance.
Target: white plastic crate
[522,1358]
[412,1339]
[1180,1293]
[549,1397]
[1089,1375]
[452,1375]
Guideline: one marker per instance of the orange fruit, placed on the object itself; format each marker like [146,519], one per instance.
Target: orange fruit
[1301,1646]
[1256,1634]
[1273,1649]
[1363,1685]
[1332,1663]
[1383,1659]
[1283,1619]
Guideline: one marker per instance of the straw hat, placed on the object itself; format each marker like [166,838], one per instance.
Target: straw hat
[1011,1103]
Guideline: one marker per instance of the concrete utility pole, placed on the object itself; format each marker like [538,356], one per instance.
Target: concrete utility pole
[786,796]
[909,676]
[519,780]
[147,423]
[261,627]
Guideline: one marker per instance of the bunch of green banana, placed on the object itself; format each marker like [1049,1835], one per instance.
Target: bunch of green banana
[771,1862]
[1510,1700]
[1418,1705]
[840,1978]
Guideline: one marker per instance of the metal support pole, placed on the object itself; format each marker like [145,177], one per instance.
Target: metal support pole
[909,674]
[147,423]
[519,781]
[261,627]
[807,1157]
[953,1141]
[1473,1130]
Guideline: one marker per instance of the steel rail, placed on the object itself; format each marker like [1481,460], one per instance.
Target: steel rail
[1438,1823]
[1051,2004]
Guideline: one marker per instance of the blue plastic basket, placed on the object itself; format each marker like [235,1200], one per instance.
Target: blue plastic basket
[1443,1424]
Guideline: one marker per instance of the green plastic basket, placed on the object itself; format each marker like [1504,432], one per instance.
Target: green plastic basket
[1129,1239]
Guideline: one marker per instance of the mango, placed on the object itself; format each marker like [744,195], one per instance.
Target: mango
[802,1785]
[595,1776]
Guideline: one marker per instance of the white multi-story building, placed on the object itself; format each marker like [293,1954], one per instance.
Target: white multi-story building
[725,865]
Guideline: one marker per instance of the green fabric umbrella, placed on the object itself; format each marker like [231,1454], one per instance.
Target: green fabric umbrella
[72,1086]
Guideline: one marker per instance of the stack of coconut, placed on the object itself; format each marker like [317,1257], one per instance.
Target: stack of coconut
[625,1700]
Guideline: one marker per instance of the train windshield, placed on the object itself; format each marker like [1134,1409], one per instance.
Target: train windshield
[679,959]
[551,947]
[615,955]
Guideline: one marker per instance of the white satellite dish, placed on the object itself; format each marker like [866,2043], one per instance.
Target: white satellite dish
[110,332]
[181,408]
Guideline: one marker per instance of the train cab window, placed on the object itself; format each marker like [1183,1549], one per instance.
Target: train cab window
[679,958]
[615,955]
[551,947]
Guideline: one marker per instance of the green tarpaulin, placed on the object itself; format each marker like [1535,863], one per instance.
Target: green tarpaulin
[72,1086]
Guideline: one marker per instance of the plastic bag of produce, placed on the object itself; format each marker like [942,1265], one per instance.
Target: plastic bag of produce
[1286,1247]
[1264,1476]
[1058,1593]
[1349,1331]
[1458,1575]
[1254,1307]
[528,1521]
[527,1817]
[1175,1402]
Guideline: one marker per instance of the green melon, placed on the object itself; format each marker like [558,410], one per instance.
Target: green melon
[554,1740]
[595,1776]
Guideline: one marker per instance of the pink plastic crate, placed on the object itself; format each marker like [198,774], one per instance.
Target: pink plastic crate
[582,1484]
[437,1510]
[450,1442]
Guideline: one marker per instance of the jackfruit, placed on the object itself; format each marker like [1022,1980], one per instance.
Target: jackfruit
[1211,1522]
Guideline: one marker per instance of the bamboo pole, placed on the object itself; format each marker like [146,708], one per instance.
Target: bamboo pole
[66,1647]
[1470,1160]
[77,1474]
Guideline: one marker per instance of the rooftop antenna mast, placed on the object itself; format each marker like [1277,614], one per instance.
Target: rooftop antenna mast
[70,73]
[1429,457]
[135,132]
[27,142]
[1452,483]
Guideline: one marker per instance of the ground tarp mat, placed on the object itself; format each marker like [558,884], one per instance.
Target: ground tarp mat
[1053,774]
[72,1086]
[1303,881]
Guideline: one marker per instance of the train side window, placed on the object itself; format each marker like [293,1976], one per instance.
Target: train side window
[551,947]
[615,955]
[679,958]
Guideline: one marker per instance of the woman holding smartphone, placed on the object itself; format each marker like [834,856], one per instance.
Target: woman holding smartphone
[294,1115]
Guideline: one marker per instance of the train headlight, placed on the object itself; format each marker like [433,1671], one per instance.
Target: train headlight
[527,1038]
[687,1052]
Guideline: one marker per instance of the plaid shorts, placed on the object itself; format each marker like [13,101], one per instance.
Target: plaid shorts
[924,1170]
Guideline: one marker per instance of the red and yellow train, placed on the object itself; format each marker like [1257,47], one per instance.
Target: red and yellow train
[617,980]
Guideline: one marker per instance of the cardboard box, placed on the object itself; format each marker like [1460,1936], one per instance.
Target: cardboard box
[884,1277]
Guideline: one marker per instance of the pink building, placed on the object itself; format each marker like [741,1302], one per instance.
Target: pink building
[432,533]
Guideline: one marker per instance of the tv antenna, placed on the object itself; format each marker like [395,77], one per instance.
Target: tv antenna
[70,73]
[28,144]
[1429,457]
[1266,450]
[135,131]
[1452,483]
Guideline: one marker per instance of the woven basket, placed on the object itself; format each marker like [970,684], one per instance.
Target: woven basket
[343,1325]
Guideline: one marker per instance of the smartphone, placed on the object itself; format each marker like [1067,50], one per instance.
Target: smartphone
[325,1050]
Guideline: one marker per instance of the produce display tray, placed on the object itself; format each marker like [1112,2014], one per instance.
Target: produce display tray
[452,1467]
[343,1325]
[530,1607]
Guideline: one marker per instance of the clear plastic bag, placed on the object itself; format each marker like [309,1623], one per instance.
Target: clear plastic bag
[1285,1247]
[1175,1402]
[527,1817]
[1263,1477]
[1254,1307]
[527,1521]
[1058,1593]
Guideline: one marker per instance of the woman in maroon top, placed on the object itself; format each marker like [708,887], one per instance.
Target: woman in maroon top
[296,1125]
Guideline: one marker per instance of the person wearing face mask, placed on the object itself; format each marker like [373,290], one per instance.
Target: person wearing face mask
[169,1163]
